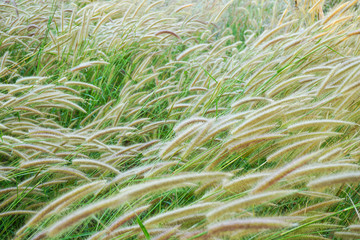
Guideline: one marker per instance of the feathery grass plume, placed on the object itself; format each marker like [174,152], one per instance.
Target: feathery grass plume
[87,64]
[77,193]
[47,131]
[258,117]
[82,84]
[105,18]
[42,162]
[23,108]
[108,131]
[167,234]
[155,125]
[352,87]
[287,68]
[162,167]
[218,128]
[54,182]
[96,163]
[123,233]
[274,41]
[67,104]
[316,207]
[354,227]
[197,234]
[308,236]
[198,139]
[250,99]
[305,135]
[249,223]
[278,88]
[347,235]
[316,227]
[118,222]
[32,147]
[319,123]
[327,79]
[321,169]
[69,171]
[130,193]
[178,213]
[293,146]
[189,220]
[167,150]
[236,146]
[168,32]
[251,132]
[217,159]
[268,34]
[335,179]
[190,50]
[218,44]
[222,10]
[246,202]
[121,220]
[335,11]
[16,212]
[241,183]
[3,178]
[333,24]
[10,199]
[283,171]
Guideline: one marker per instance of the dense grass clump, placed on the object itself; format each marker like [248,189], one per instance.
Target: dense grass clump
[177,120]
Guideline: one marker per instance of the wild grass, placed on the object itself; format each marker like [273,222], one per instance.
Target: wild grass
[179,120]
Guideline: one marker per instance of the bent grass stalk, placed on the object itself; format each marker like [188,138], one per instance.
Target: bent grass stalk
[286,92]
[128,194]
[246,202]
[247,224]
[282,172]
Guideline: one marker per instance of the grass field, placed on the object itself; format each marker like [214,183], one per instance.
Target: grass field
[179,120]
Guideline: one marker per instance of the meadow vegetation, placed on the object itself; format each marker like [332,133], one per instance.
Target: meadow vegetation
[179,120]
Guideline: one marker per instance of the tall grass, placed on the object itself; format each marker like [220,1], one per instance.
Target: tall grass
[178,120]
